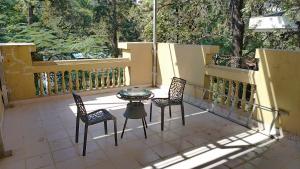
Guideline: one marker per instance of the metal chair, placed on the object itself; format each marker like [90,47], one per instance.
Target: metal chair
[97,116]
[175,97]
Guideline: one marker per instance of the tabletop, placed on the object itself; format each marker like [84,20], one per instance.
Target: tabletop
[135,93]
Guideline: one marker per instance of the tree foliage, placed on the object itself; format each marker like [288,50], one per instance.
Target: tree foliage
[62,27]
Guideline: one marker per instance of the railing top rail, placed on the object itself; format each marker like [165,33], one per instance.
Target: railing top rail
[230,68]
[80,62]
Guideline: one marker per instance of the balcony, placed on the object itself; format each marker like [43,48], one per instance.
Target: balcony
[234,118]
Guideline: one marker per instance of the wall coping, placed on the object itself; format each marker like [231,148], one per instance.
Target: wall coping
[79,62]
[16,44]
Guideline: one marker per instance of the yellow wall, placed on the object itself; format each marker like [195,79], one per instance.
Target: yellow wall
[19,68]
[1,125]
[277,80]
[17,60]
[278,84]
[185,61]
[140,54]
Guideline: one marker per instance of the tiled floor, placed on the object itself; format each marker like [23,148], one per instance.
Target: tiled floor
[41,135]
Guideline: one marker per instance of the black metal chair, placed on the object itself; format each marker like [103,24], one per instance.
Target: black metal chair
[175,97]
[97,116]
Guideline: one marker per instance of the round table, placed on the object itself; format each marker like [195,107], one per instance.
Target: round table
[135,108]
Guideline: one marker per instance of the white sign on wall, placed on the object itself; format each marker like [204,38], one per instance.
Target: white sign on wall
[272,23]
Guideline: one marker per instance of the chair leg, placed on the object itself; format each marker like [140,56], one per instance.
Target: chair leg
[151,112]
[182,114]
[115,130]
[85,139]
[124,127]
[105,127]
[170,111]
[162,118]
[77,129]
[145,122]
[144,126]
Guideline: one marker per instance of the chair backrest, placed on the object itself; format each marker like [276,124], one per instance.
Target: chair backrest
[81,111]
[176,89]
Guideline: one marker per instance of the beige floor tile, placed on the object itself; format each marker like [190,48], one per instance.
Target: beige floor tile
[16,165]
[74,163]
[121,162]
[103,164]
[48,167]
[39,161]
[232,163]
[32,131]
[80,138]
[18,155]
[146,157]
[168,136]
[153,140]
[65,154]
[180,144]
[58,135]
[164,150]
[107,142]
[37,149]
[245,166]
[293,164]
[91,146]
[60,144]
[92,158]
[196,140]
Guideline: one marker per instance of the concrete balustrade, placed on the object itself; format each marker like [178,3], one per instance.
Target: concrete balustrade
[27,79]
[274,85]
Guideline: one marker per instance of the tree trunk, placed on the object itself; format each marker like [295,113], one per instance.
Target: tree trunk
[30,14]
[114,22]
[177,23]
[237,31]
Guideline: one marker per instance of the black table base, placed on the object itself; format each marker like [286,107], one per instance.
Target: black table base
[135,110]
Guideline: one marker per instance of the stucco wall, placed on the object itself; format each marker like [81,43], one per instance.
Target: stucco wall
[17,60]
[277,80]
[185,61]
[278,85]
[19,68]
[140,54]
[1,125]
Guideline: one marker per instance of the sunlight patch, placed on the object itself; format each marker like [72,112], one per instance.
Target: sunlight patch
[203,158]
[168,162]
[196,151]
